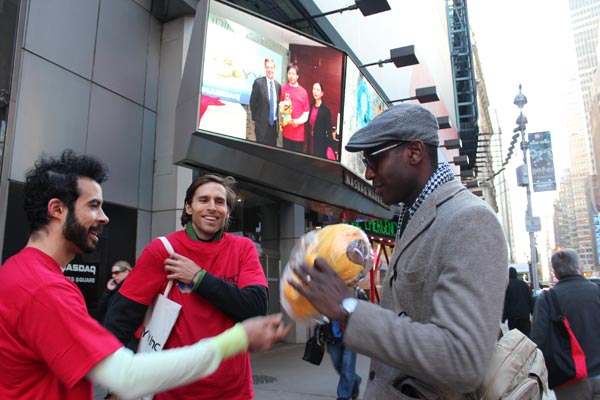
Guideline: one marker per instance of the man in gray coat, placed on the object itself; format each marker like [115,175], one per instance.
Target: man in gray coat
[434,333]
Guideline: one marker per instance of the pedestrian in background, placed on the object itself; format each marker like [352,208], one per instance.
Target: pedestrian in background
[342,358]
[118,273]
[518,304]
[579,301]
[436,329]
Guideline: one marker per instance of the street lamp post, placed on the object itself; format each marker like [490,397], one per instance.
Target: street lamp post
[531,223]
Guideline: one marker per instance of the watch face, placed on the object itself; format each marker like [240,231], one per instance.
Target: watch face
[349,304]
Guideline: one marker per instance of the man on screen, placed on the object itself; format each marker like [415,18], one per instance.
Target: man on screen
[264,101]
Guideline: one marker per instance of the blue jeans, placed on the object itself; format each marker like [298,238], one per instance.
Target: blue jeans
[344,362]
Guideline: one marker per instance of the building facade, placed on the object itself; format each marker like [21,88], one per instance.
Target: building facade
[122,80]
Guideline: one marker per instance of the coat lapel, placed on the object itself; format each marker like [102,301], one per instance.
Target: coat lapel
[266,88]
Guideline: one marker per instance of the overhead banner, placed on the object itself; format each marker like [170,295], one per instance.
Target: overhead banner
[542,162]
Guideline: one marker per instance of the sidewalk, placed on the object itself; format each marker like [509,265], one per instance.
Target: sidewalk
[294,378]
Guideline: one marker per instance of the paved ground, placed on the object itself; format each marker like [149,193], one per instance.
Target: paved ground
[295,378]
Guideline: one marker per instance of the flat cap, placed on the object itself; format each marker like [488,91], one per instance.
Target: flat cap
[405,122]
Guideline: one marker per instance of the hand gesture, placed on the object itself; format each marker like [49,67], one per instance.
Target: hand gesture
[322,287]
[111,284]
[181,268]
[264,332]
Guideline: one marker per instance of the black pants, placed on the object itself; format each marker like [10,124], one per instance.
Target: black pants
[522,324]
[288,144]
[265,133]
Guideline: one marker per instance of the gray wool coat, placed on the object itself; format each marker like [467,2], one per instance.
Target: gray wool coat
[441,304]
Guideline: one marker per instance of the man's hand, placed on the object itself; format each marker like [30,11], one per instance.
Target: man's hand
[323,288]
[264,332]
[181,268]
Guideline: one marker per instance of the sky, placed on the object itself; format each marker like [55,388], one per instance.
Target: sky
[527,42]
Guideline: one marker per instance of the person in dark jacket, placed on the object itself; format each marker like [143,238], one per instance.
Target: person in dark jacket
[118,273]
[264,100]
[518,304]
[319,129]
[579,301]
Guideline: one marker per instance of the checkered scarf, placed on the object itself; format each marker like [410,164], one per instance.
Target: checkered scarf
[441,175]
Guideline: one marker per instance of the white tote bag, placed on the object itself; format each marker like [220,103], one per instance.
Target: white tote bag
[160,318]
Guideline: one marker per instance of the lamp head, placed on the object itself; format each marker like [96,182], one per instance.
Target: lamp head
[520,99]
[370,7]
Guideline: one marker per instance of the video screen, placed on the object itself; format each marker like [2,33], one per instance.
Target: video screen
[269,85]
[362,103]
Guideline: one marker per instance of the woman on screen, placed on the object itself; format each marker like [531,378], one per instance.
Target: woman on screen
[319,131]
[293,111]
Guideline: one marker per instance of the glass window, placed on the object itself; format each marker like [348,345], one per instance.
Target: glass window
[9,12]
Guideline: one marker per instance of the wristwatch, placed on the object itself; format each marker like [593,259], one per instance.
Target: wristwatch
[348,306]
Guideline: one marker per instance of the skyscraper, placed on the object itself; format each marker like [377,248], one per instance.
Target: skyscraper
[575,226]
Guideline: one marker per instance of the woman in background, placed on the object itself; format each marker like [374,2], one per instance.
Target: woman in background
[319,129]
[119,272]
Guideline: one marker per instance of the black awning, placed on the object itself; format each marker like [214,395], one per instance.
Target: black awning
[300,178]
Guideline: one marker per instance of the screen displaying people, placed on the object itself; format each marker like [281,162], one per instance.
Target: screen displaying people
[245,61]
[362,103]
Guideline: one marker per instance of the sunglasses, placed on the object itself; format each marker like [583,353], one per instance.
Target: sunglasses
[371,160]
[118,271]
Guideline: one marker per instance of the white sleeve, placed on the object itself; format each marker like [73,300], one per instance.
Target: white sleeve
[303,118]
[131,375]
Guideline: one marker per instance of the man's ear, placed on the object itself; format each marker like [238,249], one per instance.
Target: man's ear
[188,209]
[56,208]
[417,152]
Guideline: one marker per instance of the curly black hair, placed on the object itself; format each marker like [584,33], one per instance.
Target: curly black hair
[56,177]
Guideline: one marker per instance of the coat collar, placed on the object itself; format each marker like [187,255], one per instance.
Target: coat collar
[425,215]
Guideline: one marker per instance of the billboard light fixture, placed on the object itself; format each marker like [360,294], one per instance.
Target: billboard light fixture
[451,144]
[400,56]
[444,122]
[423,95]
[461,160]
[366,7]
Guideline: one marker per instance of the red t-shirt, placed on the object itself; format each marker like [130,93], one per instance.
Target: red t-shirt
[48,341]
[233,259]
[300,105]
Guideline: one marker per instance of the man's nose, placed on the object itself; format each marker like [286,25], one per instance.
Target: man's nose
[369,174]
[103,218]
